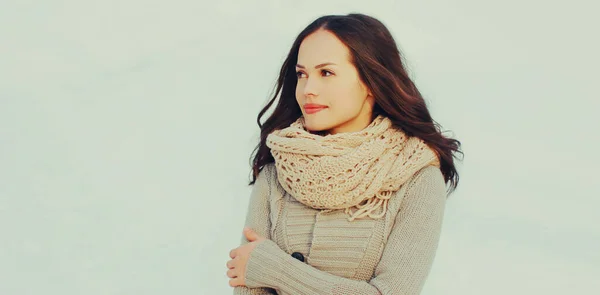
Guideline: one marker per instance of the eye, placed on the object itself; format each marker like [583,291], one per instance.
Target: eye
[324,72]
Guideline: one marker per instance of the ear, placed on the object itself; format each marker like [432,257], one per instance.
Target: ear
[369,93]
[370,98]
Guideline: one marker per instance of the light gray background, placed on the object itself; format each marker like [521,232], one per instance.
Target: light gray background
[126,129]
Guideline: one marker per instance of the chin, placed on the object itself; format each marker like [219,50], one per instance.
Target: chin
[315,127]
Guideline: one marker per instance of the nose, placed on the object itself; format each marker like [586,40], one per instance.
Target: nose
[310,87]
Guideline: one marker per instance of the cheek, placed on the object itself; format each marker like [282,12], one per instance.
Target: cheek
[347,97]
[300,83]
[299,96]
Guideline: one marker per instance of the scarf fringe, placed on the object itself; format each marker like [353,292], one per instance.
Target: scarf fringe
[380,200]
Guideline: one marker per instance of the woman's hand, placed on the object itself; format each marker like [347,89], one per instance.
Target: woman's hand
[240,255]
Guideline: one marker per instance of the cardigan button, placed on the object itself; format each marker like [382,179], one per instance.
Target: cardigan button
[298,256]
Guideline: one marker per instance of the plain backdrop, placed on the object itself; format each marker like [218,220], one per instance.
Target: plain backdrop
[126,129]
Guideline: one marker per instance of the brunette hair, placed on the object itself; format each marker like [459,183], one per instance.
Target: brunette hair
[375,55]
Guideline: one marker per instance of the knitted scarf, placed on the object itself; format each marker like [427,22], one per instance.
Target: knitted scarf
[355,171]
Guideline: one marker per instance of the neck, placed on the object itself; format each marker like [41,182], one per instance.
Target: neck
[353,125]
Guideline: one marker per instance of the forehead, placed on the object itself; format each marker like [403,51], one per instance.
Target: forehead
[322,46]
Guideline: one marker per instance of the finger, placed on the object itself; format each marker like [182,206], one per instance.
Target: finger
[236,282]
[250,234]
[232,253]
[230,264]
[231,273]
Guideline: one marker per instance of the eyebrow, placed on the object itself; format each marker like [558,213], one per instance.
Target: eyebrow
[317,66]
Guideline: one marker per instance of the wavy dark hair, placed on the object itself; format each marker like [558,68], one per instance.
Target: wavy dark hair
[374,53]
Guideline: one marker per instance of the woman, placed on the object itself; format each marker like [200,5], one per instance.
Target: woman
[350,173]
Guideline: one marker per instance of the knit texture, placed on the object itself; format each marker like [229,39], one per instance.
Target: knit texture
[390,255]
[354,171]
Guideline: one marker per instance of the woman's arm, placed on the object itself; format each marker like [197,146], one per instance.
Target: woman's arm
[405,262]
[257,218]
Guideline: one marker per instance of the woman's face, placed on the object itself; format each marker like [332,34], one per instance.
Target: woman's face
[329,91]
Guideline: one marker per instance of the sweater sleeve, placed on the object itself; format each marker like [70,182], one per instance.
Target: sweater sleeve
[257,218]
[405,262]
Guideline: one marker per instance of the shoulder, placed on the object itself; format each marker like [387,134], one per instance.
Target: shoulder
[267,175]
[429,176]
[426,189]
[427,184]
[266,171]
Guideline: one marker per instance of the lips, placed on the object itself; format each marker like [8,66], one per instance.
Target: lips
[311,108]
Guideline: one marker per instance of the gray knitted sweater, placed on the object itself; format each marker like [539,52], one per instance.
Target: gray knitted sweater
[392,255]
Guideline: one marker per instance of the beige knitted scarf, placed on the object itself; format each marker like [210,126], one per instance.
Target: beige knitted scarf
[355,171]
